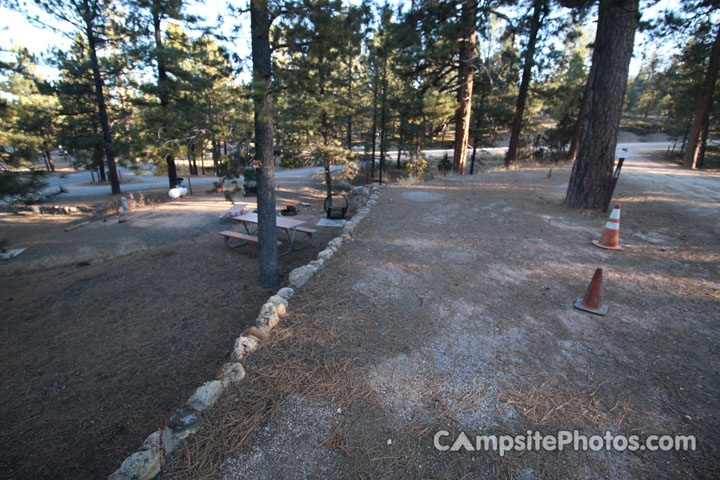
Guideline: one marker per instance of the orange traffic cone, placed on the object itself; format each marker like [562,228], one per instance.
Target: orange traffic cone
[592,302]
[549,175]
[610,239]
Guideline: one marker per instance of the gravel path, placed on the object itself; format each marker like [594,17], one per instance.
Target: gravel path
[452,310]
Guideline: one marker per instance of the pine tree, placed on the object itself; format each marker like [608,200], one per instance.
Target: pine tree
[160,43]
[604,95]
[27,127]
[93,20]
[268,273]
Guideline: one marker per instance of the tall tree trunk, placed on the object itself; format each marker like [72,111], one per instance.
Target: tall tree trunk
[572,152]
[215,155]
[703,106]
[191,156]
[684,142]
[102,110]
[268,273]
[374,128]
[703,140]
[162,84]
[349,120]
[383,126]
[515,130]
[466,73]
[48,159]
[607,83]
[400,144]
[328,181]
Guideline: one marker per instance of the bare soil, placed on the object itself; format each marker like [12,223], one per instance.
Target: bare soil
[453,310]
[106,328]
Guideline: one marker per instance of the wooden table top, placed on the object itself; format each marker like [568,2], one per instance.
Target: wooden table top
[281,222]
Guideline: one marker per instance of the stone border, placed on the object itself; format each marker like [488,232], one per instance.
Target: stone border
[186,420]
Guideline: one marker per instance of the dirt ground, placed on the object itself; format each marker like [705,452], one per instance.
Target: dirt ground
[453,310]
[106,328]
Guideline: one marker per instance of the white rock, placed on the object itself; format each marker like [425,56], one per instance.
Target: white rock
[270,309]
[206,395]
[325,254]
[139,466]
[269,319]
[260,331]
[143,464]
[243,346]
[337,241]
[230,373]
[285,293]
[301,275]
[169,441]
[184,421]
[317,263]
[279,300]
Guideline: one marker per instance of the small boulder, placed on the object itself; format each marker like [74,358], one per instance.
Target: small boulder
[185,421]
[243,346]
[279,299]
[268,320]
[325,254]
[270,309]
[206,395]
[231,372]
[301,275]
[285,293]
[142,465]
[169,441]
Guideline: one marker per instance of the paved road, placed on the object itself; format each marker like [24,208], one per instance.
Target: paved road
[76,183]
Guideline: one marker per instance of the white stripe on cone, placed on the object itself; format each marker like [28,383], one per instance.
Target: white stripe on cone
[612,226]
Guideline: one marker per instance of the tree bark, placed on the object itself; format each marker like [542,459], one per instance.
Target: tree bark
[703,140]
[515,130]
[383,126]
[374,128]
[162,85]
[102,109]
[466,73]
[191,156]
[703,106]
[268,273]
[607,83]
[572,152]
[400,145]
[48,159]
[349,120]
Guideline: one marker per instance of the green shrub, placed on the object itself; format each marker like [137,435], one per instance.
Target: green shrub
[416,166]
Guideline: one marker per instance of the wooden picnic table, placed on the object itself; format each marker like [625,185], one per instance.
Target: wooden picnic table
[289,226]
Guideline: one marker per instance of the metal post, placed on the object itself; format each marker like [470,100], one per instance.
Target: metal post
[614,180]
